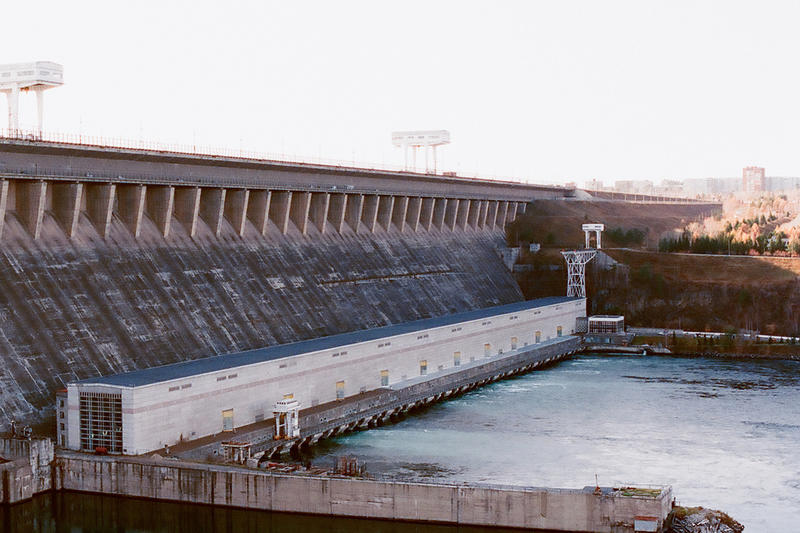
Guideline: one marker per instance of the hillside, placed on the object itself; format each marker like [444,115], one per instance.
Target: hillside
[558,223]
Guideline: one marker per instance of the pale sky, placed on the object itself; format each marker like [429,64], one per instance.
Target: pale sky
[542,91]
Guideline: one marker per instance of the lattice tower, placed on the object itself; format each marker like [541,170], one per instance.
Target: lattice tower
[576,270]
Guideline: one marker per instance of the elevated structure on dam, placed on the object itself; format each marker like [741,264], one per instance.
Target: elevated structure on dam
[136,412]
[169,187]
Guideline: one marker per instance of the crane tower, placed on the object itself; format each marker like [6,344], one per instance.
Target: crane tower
[36,77]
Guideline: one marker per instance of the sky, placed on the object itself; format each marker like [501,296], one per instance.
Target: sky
[539,91]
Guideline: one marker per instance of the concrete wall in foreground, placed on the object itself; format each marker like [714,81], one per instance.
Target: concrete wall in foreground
[552,509]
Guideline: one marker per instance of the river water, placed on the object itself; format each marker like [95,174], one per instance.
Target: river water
[724,434]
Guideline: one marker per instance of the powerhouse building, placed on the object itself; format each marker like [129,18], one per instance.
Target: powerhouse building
[137,412]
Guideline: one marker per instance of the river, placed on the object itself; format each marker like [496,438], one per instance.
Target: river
[724,434]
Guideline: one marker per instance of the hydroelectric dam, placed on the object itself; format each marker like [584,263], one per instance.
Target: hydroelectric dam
[120,259]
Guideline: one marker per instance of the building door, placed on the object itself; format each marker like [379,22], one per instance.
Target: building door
[227,420]
[538,337]
[513,343]
[340,390]
[558,331]
[384,378]
[423,367]
[487,350]
[456,358]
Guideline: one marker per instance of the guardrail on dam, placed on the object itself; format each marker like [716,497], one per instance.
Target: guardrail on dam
[36,176]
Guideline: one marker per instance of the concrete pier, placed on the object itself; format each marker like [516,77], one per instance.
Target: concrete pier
[236,209]
[130,207]
[67,205]
[212,208]
[160,204]
[258,210]
[28,470]
[300,207]
[187,207]
[279,209]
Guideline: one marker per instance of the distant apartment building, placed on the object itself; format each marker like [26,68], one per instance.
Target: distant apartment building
[753,179]
[594,185]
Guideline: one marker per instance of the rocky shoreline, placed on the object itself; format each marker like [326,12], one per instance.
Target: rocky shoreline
[700,520]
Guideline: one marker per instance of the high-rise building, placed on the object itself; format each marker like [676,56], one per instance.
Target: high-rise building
[753,179]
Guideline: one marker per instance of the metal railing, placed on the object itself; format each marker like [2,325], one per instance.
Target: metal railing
[156,147]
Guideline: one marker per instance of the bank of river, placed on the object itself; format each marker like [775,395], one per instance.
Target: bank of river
[724,433]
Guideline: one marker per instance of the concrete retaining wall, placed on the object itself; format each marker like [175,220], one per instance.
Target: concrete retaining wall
[524,507]
[28,470]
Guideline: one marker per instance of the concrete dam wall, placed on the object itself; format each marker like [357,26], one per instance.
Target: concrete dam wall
[78,306]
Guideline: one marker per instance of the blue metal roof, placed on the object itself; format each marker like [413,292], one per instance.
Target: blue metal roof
[149,376]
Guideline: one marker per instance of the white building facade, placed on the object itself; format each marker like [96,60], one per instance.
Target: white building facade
[145,410]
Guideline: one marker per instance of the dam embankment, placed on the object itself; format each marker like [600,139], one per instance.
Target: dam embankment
[74,308]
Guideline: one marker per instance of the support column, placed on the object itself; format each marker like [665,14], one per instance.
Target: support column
[337,210]
[399,211]
[187,208]
[412,214]
[426,213]
[511,215]
[279,209]
[439,212]
[502,211]
[130,206]
[160,201]
[370,212]
[99,205]
[385,208]
[212,208]
[301,204]
[236,208]
[474,211]
[482,214]
[3,204]
[462,214]
[67,205]
[353,210]
[451,213]
[258,209]
[491,216]
[30,202]
[320,204]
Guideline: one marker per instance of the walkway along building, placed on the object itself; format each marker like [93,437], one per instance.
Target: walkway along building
[145,410]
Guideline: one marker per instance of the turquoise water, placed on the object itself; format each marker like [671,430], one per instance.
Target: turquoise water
[724,434]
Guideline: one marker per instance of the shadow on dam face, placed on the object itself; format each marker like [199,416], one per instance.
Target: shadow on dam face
[79,307]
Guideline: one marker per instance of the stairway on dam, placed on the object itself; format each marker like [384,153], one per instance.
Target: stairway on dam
[74,308]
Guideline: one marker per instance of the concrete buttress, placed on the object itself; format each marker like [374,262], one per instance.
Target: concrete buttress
[439,212]
[160,201]
[413,212]
[100,204]
[337,211]
[236,209]
[300,207]
[67,205]
[187,207]
[385,209]
[320,204]
[463,214]
[399,212]
[258,209]
[354,210]
[426,213]
[370,212]
[130,207]
[451,214]
[279,209]
[30,201]
[3,203]
[212,208]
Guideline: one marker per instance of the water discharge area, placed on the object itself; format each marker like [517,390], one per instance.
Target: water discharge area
[723,433]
